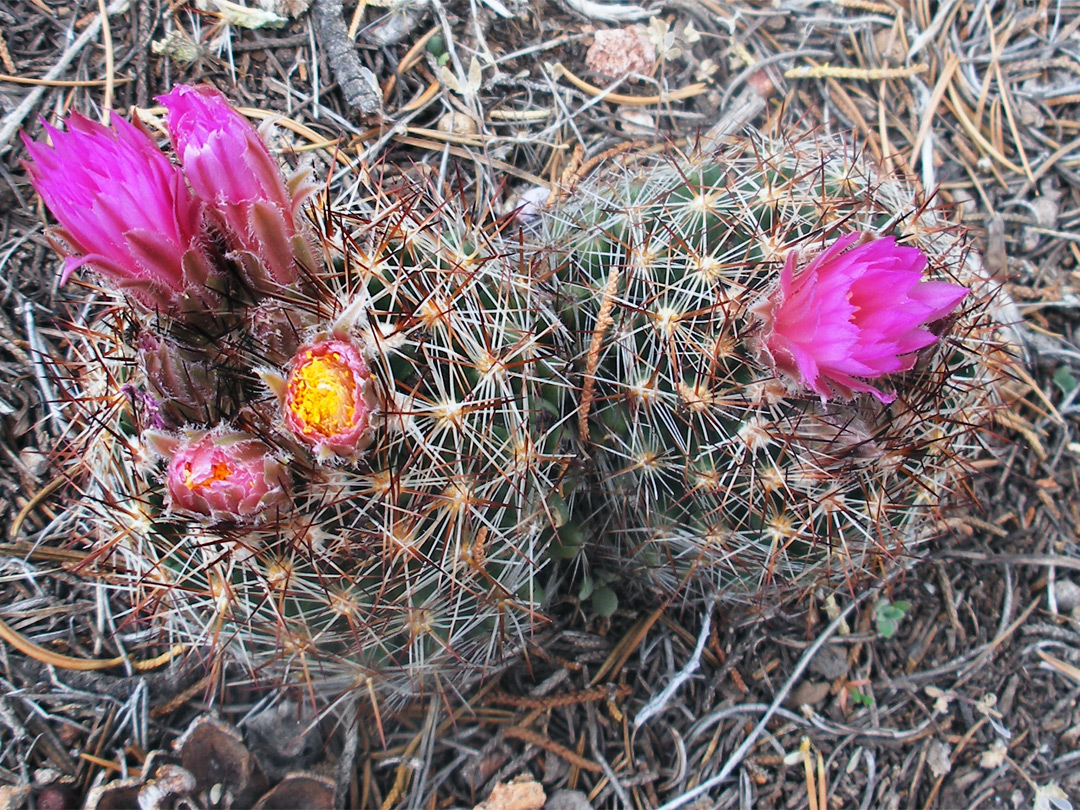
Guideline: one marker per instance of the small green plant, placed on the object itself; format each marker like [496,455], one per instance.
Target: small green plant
[1065,380]
[859,699]
[595,588]
[888,615]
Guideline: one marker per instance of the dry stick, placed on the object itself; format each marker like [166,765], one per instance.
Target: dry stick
[13,120]
[740,752]
[660,702]
[750,103]
[145,29]
[59,82]
[347,761]
[110,64]
[359,84]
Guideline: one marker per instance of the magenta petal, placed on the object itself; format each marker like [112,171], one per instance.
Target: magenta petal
[940,296]
[113,192]
[232,170]
[71,264]
[854,312]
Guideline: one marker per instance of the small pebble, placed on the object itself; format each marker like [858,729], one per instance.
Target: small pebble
[568,800]
[1067,594]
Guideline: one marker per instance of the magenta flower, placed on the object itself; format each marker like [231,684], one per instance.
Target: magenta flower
[225,476]
[123,207]
[853,314]
[230,167]
[328,399]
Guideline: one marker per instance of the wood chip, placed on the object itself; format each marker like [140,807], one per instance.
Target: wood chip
[524,793]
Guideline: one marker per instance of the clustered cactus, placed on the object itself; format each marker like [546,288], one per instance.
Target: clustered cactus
[334,463]
[732,309]
[340,446]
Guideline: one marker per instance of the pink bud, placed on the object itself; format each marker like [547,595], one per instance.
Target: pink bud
[851,314]
[124,208]
[329,399]
[230,167]
[225,477]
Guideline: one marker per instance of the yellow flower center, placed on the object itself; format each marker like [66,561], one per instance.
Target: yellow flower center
[322,394]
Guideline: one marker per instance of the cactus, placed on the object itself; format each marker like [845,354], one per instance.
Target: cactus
[334,471]
[726,461]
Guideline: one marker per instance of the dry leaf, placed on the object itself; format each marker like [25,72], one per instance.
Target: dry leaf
[242,16]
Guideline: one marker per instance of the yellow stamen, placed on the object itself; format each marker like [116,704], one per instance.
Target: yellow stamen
[323,394]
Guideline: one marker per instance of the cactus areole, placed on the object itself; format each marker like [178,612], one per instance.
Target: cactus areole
[326,398]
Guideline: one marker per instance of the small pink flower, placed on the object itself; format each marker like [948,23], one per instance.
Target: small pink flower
[852,314]
[225,476]
[124,208]
[328,399]
[230,167]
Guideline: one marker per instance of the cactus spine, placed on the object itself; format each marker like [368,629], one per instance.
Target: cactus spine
[718,474]
[337,473]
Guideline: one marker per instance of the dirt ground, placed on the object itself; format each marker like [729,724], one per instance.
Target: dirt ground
[969,701]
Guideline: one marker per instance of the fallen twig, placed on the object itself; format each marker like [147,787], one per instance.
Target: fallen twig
[13,120]
[359,85]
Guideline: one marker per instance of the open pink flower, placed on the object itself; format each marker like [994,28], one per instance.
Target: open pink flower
[230,167]
[124,208]
[225,476]
[328,399]
[853,314]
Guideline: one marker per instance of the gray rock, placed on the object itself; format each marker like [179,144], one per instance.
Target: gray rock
[567,800]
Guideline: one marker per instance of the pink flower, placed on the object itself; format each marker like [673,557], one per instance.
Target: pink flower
[328,399]
[225,476]
[852,314]
[230,167]
[124,208]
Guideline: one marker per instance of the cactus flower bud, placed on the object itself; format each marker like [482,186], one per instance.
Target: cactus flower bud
[124,208]
[225,477]
[329,399]
[853,314]
[230,167]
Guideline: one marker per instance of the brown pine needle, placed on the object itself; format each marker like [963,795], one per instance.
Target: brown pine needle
[828,71]
[930,113]
[38,498]
[978,137]
[44,656]
[110,63]
[1064,667]
[561,751]
[633,101]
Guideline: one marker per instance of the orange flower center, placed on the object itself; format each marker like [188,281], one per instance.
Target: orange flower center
[220,471]
[322,394]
